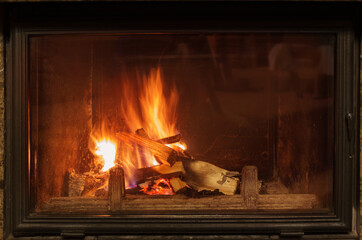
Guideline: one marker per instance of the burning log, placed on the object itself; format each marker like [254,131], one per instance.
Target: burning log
[168,140]
[160,171]
[159,187]
[141,132]
[163,153]
[206,176]
[116,188]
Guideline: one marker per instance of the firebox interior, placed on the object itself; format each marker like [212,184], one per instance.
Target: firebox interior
[238,99]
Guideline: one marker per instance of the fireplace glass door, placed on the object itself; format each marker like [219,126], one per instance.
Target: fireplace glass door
[181,122]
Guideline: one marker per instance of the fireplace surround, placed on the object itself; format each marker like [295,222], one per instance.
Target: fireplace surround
[41,34]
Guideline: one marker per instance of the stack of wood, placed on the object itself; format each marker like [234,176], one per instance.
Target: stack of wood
[184,174]
[180,168]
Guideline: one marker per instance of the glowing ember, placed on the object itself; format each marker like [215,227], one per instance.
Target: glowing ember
[160,187]
[107,151]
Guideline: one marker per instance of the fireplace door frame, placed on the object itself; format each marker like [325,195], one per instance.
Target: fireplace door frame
[26,20]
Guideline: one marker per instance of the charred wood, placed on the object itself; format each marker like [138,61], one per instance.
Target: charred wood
[172,139]
[168,140]
[192,193]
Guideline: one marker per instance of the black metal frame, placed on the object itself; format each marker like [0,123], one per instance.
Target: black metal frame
[36,19]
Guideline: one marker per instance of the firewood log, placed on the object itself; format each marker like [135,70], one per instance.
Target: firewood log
[92,184]
[74,183]
[116,188]
[177,184]
[172,139]
[168,140]
[159,171]
[141,132]
[202,175]
[83,184]
[163,153]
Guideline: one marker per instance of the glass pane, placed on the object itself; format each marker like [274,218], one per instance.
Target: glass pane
[214,121]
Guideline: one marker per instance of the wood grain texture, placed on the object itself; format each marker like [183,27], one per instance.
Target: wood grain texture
[249,186]
[202,175]
[162,152]
[116,188]
[179,202]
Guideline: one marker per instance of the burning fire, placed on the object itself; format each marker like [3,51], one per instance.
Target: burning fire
[104,147]
[148,104]
[156,107]
[145,103]
[107,151]
[160,187]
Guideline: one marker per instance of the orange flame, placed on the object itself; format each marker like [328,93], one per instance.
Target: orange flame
[107,150]
[104,147]
[159,112]
[153,110]
[160,187]
[145,103]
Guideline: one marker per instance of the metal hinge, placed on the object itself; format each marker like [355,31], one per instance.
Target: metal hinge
[68,234]
[291,234]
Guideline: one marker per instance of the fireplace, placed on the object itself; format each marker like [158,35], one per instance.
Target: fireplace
[152,118]
[182,113]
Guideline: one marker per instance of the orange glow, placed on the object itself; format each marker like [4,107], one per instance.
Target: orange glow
[145,102]
[152,107]
[104,147]
[160,187]
[148,104]
[159,112]
[107,151]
